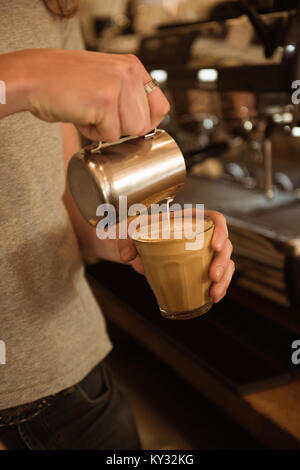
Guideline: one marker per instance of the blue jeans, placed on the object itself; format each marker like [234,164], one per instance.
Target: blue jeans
[92,415]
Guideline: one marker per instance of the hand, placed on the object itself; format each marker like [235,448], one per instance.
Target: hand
[221,269]
[102,94]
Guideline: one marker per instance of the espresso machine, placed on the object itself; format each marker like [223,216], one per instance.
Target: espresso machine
[234,115]
[242,147]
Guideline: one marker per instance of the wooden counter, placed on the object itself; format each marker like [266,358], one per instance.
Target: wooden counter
[271,416]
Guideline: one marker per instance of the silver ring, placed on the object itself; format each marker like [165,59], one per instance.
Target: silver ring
[150,86]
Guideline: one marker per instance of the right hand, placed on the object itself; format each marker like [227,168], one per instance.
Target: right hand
[102,94]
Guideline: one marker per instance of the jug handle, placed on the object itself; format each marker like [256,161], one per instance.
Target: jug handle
[102,145]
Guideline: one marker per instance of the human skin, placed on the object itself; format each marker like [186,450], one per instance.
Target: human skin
[124,251]
[103,96]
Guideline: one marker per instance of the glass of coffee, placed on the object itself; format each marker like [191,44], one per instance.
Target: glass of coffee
[176,267]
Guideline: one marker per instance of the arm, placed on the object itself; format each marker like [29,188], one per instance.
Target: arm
[123,251]
[102,94]
[19,88]
[90,245]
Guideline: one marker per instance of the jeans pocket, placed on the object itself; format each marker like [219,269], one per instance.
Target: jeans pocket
[96,388]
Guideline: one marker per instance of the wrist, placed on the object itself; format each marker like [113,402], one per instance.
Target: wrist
[15,72]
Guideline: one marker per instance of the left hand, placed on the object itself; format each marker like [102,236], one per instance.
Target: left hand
[221,269]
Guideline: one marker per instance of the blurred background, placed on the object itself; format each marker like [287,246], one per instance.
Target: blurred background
[230,71]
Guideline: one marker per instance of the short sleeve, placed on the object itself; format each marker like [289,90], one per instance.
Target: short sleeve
[71,34]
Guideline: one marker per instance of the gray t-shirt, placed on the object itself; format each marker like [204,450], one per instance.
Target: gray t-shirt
[52,327]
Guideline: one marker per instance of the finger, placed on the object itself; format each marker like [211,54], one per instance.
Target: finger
[221,262]
[220,235]
[159,106]
[107,124]
[127,250]
[158,103]
[138,265]
[134,109]
[89,131]
[145,108]
[106,129]
[109,128]
[218,290]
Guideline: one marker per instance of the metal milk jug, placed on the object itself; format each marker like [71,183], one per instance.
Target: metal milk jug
[147,170]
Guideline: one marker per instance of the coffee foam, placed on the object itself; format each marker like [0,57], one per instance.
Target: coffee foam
[176,228]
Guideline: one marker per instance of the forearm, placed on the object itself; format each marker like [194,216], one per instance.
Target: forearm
[102,94]
[90,244]
[16,82]
[18,73]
